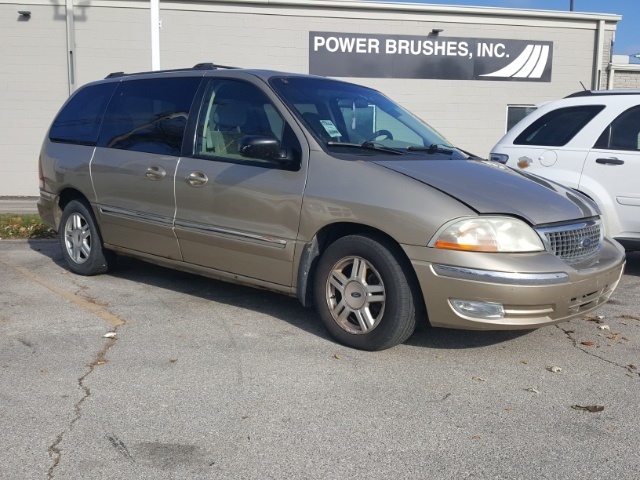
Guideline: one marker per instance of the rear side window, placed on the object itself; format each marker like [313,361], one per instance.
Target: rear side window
[79,120]
[149,115]
[558,127]
[623,133]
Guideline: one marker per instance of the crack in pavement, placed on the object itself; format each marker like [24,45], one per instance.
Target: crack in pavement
[94,307]
[576,345]
[54,450]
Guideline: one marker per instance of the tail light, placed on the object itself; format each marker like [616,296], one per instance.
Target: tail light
[40,174]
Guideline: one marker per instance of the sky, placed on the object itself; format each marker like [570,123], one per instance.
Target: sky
[627,34]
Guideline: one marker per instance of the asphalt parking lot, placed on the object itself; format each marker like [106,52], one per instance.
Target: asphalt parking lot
[204,379]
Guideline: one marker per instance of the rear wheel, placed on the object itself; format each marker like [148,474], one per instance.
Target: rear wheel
[363,293]
[81,242]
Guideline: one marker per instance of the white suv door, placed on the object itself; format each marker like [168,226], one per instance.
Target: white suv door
[611,172]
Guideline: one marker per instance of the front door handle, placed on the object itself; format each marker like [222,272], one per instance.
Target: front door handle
[155,173]
[609,161]
[197,179]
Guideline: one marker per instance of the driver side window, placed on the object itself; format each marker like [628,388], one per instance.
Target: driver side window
[234,109]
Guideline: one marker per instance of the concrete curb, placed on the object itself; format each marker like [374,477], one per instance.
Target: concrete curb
[18,205]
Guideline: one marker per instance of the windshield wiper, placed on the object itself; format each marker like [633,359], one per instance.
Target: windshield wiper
[366,146]
[433,148]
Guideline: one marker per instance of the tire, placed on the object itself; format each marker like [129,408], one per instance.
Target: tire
[81,242]
[363,293]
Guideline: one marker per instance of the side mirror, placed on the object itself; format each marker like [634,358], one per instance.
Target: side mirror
[262,147]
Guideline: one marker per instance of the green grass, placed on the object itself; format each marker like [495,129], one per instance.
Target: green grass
[23,226]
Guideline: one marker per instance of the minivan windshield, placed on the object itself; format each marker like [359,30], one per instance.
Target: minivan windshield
[348,118]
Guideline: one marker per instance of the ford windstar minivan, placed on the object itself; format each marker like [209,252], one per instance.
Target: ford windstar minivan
[319,189]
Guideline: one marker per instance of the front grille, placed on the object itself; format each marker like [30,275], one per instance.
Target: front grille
[574,243]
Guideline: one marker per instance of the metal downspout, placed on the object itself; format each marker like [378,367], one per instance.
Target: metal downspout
[71,45]
[597,71]
[155,34]
[612,72]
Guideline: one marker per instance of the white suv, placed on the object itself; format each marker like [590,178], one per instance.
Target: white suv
[589,141]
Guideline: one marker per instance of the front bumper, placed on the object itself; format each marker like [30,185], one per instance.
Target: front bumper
[534,289]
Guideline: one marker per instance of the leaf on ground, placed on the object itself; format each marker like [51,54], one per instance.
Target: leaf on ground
[479,379]
[336,356]
[588,344]
[631,366]
[554,369]
[589,408]
[532,390]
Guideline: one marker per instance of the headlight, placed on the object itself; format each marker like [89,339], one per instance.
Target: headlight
[488,234]
[499,157]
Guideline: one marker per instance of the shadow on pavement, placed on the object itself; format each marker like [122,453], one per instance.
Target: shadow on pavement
[633,264]
[276,305]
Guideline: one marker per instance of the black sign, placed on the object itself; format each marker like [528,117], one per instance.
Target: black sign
[450,58]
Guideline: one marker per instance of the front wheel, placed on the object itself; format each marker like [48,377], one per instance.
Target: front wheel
[363,293]
[81,242]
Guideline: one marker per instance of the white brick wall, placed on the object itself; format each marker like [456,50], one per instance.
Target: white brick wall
[33,71]
[626,80]
[33,85]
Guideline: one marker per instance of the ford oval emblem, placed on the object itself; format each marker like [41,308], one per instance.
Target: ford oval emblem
[356,294]
[585,242]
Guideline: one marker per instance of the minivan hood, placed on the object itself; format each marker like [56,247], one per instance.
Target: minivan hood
[492,188]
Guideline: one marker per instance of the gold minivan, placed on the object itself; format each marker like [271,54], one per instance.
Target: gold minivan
[319,189]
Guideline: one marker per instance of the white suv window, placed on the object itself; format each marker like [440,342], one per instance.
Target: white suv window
[558,127]
[623,133]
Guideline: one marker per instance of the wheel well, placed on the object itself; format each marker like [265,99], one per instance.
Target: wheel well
[69,194]
[66,196]
[324,238]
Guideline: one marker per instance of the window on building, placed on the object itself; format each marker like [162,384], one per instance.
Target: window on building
[79,120]
[623,133]
[558,127]
[149,115]
[515,113]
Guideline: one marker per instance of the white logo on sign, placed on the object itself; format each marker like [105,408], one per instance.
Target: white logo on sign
[529,64]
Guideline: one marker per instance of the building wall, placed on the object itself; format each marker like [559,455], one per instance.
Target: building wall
[33,85]
[115,36]
[627,79]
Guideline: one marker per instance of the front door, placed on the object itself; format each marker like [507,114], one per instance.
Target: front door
[612,169]
[236,214]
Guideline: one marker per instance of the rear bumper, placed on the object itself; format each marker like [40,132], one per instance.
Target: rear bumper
[529,299]
[49,210]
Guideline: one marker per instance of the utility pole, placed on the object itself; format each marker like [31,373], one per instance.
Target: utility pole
[155,34]
[571,6]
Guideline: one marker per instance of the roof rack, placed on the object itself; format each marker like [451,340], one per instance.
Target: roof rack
[199,66]
[595,93]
